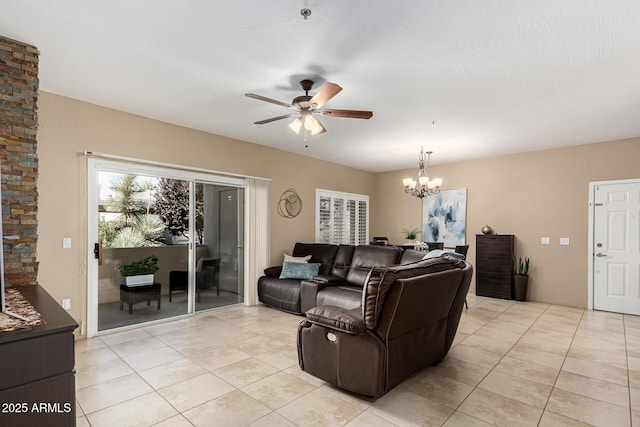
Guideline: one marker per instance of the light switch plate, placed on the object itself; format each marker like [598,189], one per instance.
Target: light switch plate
[564,241]
[66,304]
[545,241]
[66,242]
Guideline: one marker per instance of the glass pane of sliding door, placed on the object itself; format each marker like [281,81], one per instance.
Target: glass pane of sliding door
[219,263]
[143,273]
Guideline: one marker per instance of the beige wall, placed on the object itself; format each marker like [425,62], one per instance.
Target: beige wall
[69,127]
[529,195]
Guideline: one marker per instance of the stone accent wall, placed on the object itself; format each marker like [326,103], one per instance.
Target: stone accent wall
[19,158]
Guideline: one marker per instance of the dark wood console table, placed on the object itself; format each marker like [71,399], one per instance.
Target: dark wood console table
[37,375]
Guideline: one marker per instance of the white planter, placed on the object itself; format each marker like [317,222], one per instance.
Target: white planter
[139,280]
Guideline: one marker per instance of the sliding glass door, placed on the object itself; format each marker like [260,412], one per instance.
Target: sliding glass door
[220,236]
[166,243]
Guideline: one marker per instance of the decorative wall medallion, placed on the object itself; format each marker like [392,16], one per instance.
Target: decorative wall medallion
[290,204]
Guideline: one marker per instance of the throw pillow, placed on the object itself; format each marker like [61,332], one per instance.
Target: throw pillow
[433,254]
[439,252]
[289,258]
[299,270]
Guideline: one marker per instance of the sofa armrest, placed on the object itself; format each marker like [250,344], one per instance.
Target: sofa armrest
[309,290]
[338,318]
[309,294]
[273,271]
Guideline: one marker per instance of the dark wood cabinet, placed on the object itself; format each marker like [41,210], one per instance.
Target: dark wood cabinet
[494,265]
[37,376]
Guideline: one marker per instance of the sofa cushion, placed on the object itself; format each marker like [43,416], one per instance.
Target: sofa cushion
[299,270]
[342,262]
[323,253]
[365,257]
[283,294]
[349,297]
[411,255]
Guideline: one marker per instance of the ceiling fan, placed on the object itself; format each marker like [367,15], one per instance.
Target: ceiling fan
[306,105]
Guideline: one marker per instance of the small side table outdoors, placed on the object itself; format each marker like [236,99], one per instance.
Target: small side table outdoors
[134,294]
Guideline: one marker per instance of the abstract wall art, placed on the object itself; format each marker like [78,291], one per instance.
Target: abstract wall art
[444,217]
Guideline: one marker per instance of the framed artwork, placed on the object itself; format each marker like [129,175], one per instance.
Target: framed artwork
[444,217]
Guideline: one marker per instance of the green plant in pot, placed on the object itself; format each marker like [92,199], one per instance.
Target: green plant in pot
[520,278]
[411,234]
[140,272]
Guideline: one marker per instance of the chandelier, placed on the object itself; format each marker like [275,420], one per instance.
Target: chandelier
[423,186]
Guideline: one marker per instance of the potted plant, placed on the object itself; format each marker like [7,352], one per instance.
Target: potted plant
[139,272]
[520,278]
[411,234]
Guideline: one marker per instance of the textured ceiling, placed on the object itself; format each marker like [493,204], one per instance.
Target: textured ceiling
[497,77]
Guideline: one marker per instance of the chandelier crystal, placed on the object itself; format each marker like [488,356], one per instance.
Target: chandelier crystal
[422,186]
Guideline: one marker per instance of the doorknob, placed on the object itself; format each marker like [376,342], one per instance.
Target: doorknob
[601,255]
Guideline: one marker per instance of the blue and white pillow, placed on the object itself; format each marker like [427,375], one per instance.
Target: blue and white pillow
[442,252]
[299,270]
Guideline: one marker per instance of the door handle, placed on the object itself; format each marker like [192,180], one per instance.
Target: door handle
[601,255]
[97,252]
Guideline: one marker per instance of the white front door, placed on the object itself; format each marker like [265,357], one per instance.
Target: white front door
[616,247]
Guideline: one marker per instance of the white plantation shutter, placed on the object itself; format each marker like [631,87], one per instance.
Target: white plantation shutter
[342,218]
[363,219]
[323,219]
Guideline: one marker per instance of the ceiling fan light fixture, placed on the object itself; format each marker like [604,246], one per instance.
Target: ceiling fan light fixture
[306,105]
[296,125]
[318,128]
[310,122]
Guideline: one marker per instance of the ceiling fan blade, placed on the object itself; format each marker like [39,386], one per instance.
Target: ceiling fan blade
[326,92]
[273,119]
[265,99]
[350,114]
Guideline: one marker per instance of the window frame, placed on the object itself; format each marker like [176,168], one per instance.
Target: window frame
[347,219]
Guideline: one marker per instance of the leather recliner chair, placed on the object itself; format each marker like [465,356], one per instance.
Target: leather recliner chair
[409,318]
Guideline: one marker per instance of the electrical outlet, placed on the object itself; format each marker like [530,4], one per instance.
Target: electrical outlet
[564,241]
[545,241]
[66,304]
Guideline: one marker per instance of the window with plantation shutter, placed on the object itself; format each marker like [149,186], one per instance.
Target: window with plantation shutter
[342,218]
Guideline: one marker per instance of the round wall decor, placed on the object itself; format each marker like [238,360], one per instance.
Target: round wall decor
[290,204]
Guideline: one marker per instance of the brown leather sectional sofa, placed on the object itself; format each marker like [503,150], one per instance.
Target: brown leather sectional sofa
[341,276]
[408,321]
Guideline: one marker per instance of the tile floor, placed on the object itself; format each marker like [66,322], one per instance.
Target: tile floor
[512,364]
